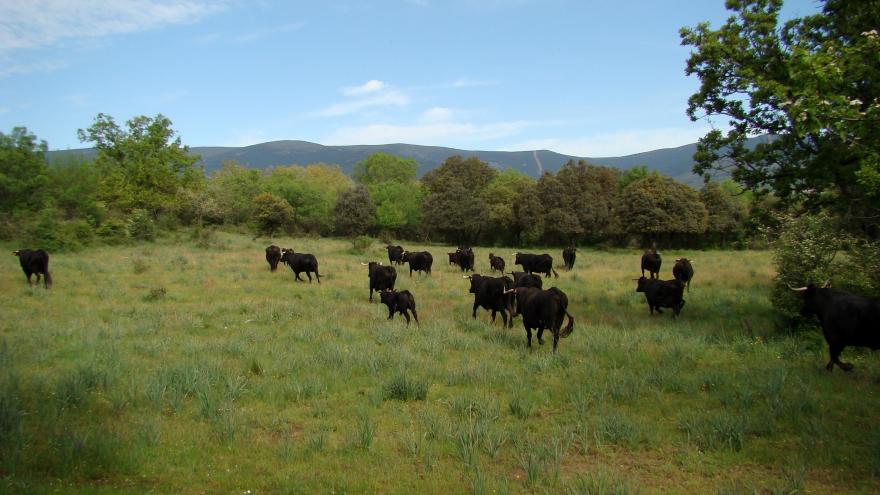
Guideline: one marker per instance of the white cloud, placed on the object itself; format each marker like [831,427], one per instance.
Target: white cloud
[465,82]
[445,133]
[437,114]
[617,143]
[372,94]
[420,3]
[370,86]
[36,24]
[259,34]
[9,67]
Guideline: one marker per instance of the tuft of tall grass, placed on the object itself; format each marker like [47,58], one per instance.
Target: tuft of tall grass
[716,430]
[600,483]
[403,386]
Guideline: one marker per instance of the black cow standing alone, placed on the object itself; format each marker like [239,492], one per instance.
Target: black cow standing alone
[399,302]
[847,320]
[536,263]
[420,261]
[662,294]
[381,277]
[496,263]
[568,256]
[35,263]
[651,261]
[395,254]
[273,256]
[543,309]
[683,270]
[301,262]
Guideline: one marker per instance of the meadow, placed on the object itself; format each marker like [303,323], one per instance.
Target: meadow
[171,368]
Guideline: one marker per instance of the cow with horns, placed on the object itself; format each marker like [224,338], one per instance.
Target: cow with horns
[651,261]
[683,271]
[381,277]
[543,309]
[535,263]
[847,319]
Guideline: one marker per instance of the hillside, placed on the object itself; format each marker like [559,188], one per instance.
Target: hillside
[674,162]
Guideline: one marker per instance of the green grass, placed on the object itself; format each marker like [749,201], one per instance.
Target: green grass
[175,368]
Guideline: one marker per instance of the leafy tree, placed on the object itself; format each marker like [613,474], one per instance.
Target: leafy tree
[398,205]
[528,213]
[22,170]
[311,191]
[813,85]
[73,185]
[233,189]
[631,175]
[271,214]
[454,202]
[658,207]
[354,213]
[142,166]
[472,173]
[727,210]
[591,194]
[382,167]
[500,197]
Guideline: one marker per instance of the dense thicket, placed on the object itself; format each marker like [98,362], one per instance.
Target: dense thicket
[143,182]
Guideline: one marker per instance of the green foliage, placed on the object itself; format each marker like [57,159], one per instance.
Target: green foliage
[379,168]
[53,234]
[113,231]
[361,244]
[23,176]
[631,175]
[142,166]
[141,226]
[233,189]
[73,186]
[726,208]
[404,387]
[398,206]
[660,206]
[812,84]
[500,196]
[354,213]
[454,197]
[271,213]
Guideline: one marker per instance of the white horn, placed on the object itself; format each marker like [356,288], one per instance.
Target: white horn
[799,289]
[365,264]
[827,284]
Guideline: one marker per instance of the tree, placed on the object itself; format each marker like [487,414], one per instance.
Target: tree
[354,213]
[22,170]
[659,207]
[813,86]
[472,173]
[271,214]
[382,167]
[454,202]
[233,189]
[142,166]
[311,191]
[727,210]
[591,194]
[500,197]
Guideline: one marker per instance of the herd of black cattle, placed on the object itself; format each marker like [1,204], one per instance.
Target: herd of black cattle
[847,319]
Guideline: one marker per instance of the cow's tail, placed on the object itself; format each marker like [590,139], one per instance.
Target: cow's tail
[569,328]
[554,272]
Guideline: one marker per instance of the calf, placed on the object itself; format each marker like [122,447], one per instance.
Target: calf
[453,258]
[420,261]
[651,261]
[683,270]
[273,256]
[301,262]
[399,302]
[496,263]
[662,294]
[35,263]
[847,319]
[489,293]
[381,277]
[568,256]
[543,309]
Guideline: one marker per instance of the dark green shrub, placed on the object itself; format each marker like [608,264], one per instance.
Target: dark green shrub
[48,232]
[112,231]
[404,387]
[361,243]
[141,225]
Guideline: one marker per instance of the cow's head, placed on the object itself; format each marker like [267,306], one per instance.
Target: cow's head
[15,253]
[388,296]
[642,284]
[809,293]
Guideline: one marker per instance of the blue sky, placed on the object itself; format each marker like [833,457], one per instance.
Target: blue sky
[579,77]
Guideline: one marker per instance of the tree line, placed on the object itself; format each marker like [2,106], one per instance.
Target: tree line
[143,181]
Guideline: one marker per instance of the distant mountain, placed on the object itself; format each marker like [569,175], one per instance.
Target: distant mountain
[674,162]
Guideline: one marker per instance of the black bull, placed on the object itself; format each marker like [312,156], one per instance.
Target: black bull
[381,277]
[543,309]
[536,263]
[847,320]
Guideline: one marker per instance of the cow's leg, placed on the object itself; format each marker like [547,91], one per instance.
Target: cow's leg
[405,316]
[503,318]
[474,314]
[493,316]
[529,337]
[555,340]
[834,350]
[390,313]
[309,274]
[415,315]
[541,335]
[29,278]
[371,294]
[297,277]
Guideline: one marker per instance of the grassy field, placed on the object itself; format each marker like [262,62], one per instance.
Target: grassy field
[167,368]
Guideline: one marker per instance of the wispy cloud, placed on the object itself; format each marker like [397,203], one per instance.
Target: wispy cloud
[466,82]
[33,24]
[9,67]
[616,143]
[420,3]
[78,100]
[437,114]
[445,133]
[268,32]
[371,94]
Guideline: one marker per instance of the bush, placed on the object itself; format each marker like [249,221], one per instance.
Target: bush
[81,231]
[48,232]
[361,244]
[141,225]
[113,231]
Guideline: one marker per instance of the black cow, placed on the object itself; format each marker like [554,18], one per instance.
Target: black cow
[536,263]
[453,258]
[273,256]
[399,302]
[543,309]
[847,320]
[301,262]
[35,262]
[489,293]
[419,261]
[496,262]
[651,261]
[381,277]
[395,253]
[683,270]
[662,294]
[568,256]
[466,259]
[523,279]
